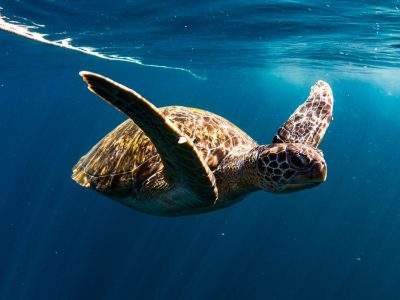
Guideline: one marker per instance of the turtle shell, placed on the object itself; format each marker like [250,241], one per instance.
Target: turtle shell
[126,157]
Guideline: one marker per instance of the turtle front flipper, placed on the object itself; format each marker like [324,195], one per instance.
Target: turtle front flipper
[308,124]
[181,159]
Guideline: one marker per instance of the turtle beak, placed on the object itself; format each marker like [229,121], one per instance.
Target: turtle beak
[324,173]
[310,178]
[314,176]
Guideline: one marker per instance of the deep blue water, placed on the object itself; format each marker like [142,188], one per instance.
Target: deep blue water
[257,61]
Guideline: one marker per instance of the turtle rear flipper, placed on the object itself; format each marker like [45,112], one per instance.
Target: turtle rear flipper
[182,161]
[308,124]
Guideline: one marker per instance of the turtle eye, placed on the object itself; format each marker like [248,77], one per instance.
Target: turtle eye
[299,161]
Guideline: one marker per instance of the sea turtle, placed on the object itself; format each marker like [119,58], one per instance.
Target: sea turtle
[176,160]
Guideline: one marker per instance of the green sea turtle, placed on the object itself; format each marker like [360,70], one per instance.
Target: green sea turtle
[175,160]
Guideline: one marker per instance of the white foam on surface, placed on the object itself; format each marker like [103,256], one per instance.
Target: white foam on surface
[29,31]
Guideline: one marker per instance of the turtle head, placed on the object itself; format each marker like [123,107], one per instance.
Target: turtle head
[284,168]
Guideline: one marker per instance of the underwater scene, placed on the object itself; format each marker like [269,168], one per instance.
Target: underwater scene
[336,236]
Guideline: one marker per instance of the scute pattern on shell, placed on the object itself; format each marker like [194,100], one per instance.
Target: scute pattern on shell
[126,157]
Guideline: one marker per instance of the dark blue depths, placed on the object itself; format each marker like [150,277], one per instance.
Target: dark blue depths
[60,241]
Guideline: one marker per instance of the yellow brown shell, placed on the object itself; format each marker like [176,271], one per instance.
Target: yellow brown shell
[123,161]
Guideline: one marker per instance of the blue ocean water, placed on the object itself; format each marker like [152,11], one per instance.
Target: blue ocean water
[252,62]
